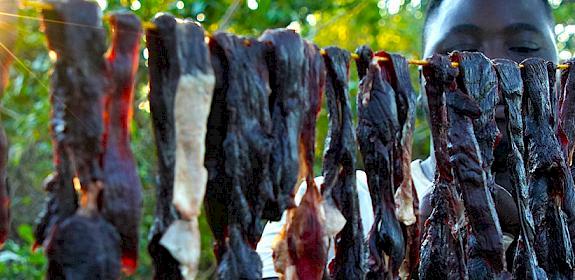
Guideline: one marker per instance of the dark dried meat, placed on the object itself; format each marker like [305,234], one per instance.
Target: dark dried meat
[485,246]
[525,264]
[164,76]
[339,185]
[567,112]
[442,249]
[194,94]
[83,245]
[301,247]
[288,104]
[243,80]
[547,174]
[396,69]
[472,136]
[478,79]
[122,196]
[566,136]
[377,131]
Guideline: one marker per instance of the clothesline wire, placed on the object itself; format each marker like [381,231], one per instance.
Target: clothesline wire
[151,25]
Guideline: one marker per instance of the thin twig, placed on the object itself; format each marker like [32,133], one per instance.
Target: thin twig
[228,15]
[359,6]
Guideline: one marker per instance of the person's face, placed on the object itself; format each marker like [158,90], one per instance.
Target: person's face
[514,30]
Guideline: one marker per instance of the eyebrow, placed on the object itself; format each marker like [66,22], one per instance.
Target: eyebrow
[518,27]
[465,28]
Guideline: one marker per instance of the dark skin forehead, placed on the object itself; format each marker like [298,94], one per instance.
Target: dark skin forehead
[512,29]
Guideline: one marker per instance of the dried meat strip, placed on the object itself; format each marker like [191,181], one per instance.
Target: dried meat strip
[122,196]
[339,168]
[566,136]
[525,264]
[377,131]
[472,136]
[478,79]
[288,102]
[567,112]
[301,247]
[547,174]
[442,250]
[192,107]
[164,76]
[485,246]
[216,199]
[83,245]
[396,69]
[247,148]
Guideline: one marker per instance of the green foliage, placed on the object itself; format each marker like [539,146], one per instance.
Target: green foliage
[25,109]
[19,262]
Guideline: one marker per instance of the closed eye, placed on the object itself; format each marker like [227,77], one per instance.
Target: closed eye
[524,49]
[461,49]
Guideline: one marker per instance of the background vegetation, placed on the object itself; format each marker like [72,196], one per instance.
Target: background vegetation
[392,25]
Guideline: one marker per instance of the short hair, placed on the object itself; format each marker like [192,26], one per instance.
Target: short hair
[434,5]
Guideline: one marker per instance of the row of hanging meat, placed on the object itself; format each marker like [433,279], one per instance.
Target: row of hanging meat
[234,122]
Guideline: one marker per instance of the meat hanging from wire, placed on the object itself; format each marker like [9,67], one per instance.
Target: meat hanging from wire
[442,248]
[234,207]
[406,201]
[288,103]
[234,120]
[377,133]
[164,74]
[525,265]
[79,243]
[339,187]
[547,175]
[122,197]
[192,107]
[472,136]
[300,250]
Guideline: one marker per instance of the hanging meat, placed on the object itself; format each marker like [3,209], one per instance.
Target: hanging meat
[553,95]
[122,197]
[566,136]
[217,193]
[525,264]
[567,112]
[339,188]
[396,71]
[472,135]
[547,175]
[164,76]
[377,132]
[84,245]
[192,107]
[237,203]
[442,250]
[288,102]
[478,79]
[300,250]
[7,40]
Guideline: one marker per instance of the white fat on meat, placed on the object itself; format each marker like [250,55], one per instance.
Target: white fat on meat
[191,111]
